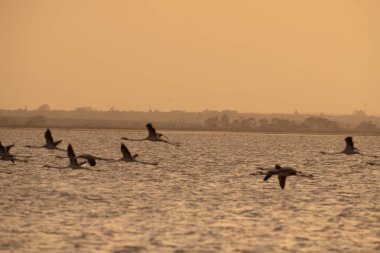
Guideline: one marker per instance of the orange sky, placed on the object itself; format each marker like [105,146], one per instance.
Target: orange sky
[250,56]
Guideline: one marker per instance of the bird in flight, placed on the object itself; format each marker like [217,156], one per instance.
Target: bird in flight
[152,136]
[49,142]
[74,164]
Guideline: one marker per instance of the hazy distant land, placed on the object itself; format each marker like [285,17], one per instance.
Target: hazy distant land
[86,117]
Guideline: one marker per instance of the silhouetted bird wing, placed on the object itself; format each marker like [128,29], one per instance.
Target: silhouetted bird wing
[90,159]
[125,152]
[282,180]
[2,149]
[71,155]
[349,139]
[57,142]
[267,176]
[7,148]
[70,151]
[151,130]
[49,137]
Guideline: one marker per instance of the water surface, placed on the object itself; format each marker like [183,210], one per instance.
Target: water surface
[200,198]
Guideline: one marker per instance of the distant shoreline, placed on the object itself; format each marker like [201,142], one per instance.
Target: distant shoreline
[351,133]
[357,123]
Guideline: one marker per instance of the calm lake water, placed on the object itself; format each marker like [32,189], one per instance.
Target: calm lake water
[200,198]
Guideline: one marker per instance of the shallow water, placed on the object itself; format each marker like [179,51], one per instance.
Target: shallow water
[200,198]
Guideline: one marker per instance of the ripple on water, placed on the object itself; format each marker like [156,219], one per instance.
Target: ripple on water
[200,198]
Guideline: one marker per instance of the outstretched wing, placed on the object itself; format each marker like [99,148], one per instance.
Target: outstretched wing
[267,176]
[7,148]
[282,180]
[70,151]
[57,142]
[151,130]
[71,155]
[2,149]
[49,137]
[90,159]
[125,152]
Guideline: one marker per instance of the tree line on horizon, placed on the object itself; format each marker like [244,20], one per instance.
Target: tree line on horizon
[228,120]
[309,124]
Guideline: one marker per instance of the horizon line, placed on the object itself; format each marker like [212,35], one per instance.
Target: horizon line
[89,108]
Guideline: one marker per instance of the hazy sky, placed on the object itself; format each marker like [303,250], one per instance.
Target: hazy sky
[250,56]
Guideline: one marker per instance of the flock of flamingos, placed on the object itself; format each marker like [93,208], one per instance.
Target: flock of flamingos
[76,161]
